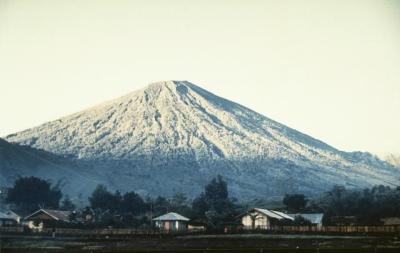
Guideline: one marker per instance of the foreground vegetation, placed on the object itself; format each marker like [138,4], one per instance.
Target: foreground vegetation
[213,206]
[204,243]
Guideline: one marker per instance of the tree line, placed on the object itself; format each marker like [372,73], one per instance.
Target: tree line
[214,206]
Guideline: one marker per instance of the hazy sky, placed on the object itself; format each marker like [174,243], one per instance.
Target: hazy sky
[328,68]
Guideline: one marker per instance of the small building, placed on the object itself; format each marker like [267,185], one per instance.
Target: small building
[9,219]
[314,218]
[171,222]
[391,221]
[258,218]
[46,218]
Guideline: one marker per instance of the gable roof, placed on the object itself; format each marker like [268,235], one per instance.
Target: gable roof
[4,216]
[55,214]
[171,217]
[314,218]
[284,215]
[9,215]
[270,213]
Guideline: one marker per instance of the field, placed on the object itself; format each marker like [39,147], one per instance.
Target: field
[201,243]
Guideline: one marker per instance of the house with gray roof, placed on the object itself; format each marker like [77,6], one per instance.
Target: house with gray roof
[46,217]
[259,218]
[171,222]
[9,218]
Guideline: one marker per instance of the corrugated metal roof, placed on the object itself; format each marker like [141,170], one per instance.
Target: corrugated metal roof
[314,218]
[5,216]
[171,217]
[9,215]
[284,215]
[56,214]
[273,214]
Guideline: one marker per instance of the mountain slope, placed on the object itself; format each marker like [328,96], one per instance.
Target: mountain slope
[173,136]
[16,161]
[393,159]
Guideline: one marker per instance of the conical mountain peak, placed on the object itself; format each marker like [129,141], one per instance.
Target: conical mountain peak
[177,132]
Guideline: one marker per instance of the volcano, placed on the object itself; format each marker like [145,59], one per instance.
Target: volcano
[174,136]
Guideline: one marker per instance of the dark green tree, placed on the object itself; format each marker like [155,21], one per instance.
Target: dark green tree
[160,206]
[103,200]
[200,205]
[133,204]
[214,204]
[67,205]
[363,207]
[301,221]
[31,193]
[295,202]
[216,194]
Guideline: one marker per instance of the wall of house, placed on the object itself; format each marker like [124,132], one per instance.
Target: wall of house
[261,222]
[35,225]
[8,222]
[171,225]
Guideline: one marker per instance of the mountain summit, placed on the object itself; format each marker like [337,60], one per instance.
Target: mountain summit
[174,136]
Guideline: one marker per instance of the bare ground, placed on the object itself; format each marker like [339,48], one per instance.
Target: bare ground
[202,243]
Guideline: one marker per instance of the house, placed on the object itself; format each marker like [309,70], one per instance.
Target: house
[46,218]
[9,219]
[171,222]
[258,218]
[391,221]
[314,218]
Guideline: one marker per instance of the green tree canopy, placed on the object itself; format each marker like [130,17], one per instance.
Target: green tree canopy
[67,205]
[31,193]
[132,203]
[295,202]
[129,203]
[214,203]
[103,200]
[367,206]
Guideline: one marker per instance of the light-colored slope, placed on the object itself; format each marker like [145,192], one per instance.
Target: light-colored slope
[170,128]
[393,159]
[171,116]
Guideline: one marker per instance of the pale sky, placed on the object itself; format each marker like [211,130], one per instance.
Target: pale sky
[330,69]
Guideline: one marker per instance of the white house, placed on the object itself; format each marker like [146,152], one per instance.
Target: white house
[46,217]
[258,218]
[171,222]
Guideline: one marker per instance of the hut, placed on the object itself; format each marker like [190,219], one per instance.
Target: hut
[171,222]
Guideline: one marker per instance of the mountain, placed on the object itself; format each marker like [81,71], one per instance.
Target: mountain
[393,159]
[174,136]
[17,160]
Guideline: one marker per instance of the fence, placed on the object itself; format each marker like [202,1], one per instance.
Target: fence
[85,232]
[338,229]
[279,229]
